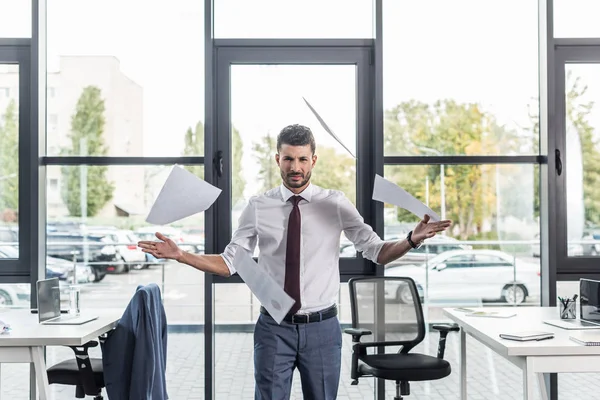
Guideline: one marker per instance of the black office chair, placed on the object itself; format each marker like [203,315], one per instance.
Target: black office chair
[404,327]
[83,372]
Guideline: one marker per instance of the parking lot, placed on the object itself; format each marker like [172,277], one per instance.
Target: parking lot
[183,291]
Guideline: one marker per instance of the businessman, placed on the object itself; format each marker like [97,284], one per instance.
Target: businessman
[298,227]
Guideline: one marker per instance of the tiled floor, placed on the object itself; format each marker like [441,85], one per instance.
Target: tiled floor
[490,376]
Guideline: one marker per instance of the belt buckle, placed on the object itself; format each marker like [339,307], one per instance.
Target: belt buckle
[300,319]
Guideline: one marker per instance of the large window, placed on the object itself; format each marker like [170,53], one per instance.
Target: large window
[15,18]
[288,19]
[9,155]
[142,102]
[125,101]
[456,81]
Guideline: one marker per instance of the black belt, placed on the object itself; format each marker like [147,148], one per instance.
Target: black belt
[316,316]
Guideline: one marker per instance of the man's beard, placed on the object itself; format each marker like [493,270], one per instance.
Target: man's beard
[295,184]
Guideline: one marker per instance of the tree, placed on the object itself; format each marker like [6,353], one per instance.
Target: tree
[9,159]
[448,128]
[194,146]
[87,129]
[332,171]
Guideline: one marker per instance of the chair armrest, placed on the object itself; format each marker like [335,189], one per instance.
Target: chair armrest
[446,327]
[357,333]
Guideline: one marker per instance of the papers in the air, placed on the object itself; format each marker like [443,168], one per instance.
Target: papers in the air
[272,296]
[182,195]
[326,127]
[388,192]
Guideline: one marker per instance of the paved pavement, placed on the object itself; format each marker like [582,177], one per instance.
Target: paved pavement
[490,376]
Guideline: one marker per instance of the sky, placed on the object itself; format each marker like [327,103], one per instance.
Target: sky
[468,50]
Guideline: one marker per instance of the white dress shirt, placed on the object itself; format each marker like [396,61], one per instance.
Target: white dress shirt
[325,214]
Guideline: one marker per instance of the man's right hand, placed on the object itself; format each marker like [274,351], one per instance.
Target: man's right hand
[166,248]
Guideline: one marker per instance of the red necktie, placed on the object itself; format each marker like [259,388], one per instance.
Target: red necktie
[292,256]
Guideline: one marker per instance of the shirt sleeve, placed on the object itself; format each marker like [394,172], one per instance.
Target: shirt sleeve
[245,236]
[357,231]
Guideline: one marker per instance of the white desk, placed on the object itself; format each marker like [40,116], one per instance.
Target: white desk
[535,358]
[27,339]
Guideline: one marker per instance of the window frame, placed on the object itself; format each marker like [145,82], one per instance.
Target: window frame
[18,52]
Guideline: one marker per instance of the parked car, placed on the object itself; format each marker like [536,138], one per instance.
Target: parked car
[126,246]
[470,276]
[55,267]
[431,248]
[149,233]
[101,252]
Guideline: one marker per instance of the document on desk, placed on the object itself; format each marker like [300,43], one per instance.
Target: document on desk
[388,192]
[182,195]
[272,296]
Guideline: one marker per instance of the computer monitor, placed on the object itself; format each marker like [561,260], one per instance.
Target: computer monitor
[48,292]
[589,300]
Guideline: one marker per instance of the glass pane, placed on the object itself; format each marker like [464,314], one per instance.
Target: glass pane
[236,312]
[15,19]
[9,157]
[107,85]
[466,93]
[582,160]
[110,266]
[266,98]
[576,18]
[492,240]
[290,20]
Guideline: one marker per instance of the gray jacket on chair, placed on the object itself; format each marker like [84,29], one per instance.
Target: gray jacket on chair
[135,353]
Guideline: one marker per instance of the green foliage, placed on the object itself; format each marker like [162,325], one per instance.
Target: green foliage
[9,159]
[448,128]
[87,129]
[332,170]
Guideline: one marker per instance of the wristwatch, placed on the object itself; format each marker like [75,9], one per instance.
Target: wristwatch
[412,244]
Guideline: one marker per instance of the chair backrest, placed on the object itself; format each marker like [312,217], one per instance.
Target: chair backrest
[390,307]
[134,354]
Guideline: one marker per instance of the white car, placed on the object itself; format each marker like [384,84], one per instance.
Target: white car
[468,276]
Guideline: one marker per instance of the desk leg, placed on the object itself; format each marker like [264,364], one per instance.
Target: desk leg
[529,380]
[542,384]
[463,365]
[37,356]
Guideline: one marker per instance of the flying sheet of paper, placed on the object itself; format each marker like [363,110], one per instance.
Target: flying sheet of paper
[326,127]
[388,192]
[272,296]
[182,195]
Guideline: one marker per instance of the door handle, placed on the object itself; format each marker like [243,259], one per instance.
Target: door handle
[218,163]
[558,162]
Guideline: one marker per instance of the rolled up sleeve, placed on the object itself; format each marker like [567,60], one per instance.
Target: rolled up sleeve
[357,231]
[245,236]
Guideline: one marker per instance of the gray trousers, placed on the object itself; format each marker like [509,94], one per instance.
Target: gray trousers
[315,349]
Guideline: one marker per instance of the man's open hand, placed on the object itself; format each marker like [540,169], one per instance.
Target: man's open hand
[425,229]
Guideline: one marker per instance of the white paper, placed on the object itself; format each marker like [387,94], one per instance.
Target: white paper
[272,296]
[182,195]
[326,127]
[388,192]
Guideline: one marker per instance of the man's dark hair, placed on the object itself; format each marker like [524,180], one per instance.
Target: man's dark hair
[296,135]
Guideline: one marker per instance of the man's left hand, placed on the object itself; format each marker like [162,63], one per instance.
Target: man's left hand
[425,229]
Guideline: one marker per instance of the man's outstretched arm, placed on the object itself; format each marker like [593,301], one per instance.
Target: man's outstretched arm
[168,249]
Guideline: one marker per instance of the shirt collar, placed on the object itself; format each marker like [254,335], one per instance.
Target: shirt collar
[287,193]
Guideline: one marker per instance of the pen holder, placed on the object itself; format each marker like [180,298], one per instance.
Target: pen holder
[567,311]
